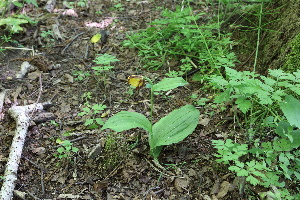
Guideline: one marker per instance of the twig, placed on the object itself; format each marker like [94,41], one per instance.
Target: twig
[41,89]
[40,92]
[42,182]
[63,51]
[30,194]
[36,165]
[42,173]
[80,138]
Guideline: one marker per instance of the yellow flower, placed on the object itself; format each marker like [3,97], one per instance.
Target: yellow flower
[136,81]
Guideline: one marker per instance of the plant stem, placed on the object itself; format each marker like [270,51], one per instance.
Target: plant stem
[151,99]
[151,105]
[258,36]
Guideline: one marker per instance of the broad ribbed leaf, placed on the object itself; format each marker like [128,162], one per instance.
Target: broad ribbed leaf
[174,127]
[125,120]
[291,110]
[169,84]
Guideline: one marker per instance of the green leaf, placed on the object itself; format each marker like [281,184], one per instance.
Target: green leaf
[60,150]
[105,59]
[284,159]
[13,23]
[283,128]
[224,96]
[252,180]
[169,84]
[125,120]
[66,143]
[243,104]
[218,81]
[242,172]
[75,149]
[258,173]
[82,114]
[68,148]
[32,1]
[282,144]
[88,122]
[297,175]
[93,126]
[18,4]
[87,110]
[99,121]
[291,110]
[234,168]
[99,107]
[264,97]
[276,72]
[174,127]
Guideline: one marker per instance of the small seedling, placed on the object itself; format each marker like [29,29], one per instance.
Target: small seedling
[118,7]
[53,122]
[80,75]
[103,62]
[82,3]
[45,34]
[5,39]
[66,150]
[92,123]
[86,96]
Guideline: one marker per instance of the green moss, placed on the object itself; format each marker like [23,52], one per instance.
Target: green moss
[292,60]
[115,150]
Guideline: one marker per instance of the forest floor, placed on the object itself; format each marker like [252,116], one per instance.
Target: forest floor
[108,165]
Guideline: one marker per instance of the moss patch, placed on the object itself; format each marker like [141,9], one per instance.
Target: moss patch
[292,59]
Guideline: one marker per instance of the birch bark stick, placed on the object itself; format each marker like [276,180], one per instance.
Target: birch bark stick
[21,116]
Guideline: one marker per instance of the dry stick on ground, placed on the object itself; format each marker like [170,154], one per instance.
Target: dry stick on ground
[21,116]
[42,173]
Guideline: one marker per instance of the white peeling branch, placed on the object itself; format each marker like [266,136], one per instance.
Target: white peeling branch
[2,97]
[22,118]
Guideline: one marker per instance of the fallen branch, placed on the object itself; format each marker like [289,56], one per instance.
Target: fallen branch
[21,116]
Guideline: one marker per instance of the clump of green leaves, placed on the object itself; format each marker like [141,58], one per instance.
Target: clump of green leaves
[80,75]
[176,36]
[80,3]
[271,162]
[45,34]
[103,63]
[4,39]
[118,7]
[48,37]
[92,123]
[66,150]
[14,22]
[172,128]
[248,90]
